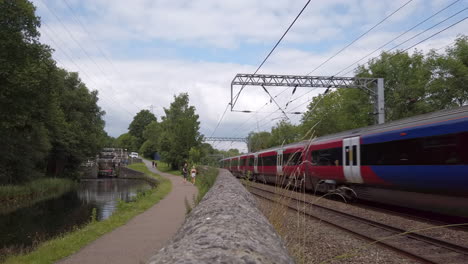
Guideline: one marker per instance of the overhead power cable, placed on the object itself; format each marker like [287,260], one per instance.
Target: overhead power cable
[274,47]
[118,73]
[362,35]
[399,52]
[390,41]
[79,45]
[219,122]
[62,49]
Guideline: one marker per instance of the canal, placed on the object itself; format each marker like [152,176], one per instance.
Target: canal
[25,227]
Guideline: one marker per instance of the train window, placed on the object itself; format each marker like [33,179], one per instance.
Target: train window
[267,161]
[347,155]
[241,162]
[435,150]
[251,161]
[292,159]
[234,162]
[327,157]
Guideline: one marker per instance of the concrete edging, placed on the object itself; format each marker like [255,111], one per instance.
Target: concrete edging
[225,227]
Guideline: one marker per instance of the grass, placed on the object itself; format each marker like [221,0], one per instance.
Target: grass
[69,243]
[206,177]
[13,197]
[164,167]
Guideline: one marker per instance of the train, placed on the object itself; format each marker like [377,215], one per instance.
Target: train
[419,162]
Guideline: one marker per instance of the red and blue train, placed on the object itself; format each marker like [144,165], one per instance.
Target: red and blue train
[419,162]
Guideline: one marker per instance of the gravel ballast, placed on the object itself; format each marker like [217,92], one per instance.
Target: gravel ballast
[326,243]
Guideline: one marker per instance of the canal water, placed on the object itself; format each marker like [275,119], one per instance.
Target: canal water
[27,226]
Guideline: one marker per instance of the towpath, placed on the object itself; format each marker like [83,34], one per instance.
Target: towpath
[145,234]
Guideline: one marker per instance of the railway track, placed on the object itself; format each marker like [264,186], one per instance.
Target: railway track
[419,247]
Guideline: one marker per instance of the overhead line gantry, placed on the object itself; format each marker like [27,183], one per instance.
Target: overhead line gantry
[373,86]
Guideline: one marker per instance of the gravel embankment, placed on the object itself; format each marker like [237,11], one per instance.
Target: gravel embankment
[312,241]
[443,233]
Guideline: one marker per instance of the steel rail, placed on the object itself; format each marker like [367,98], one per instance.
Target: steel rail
[352,222]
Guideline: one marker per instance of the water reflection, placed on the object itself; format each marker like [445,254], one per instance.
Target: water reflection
[25,226]
[105,193]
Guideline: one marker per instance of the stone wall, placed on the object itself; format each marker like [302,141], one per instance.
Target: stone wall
[129,173]
[226,227]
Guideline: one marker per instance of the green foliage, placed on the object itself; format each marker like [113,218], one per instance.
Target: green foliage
[195,155]
[148,148]
[206,177]
[63,246]
[336,111]
[414,84]
[50,121]
[406,77]
[258,141]
[164,167]
[26,100]
[127,141]
[137,126]
[178,132]
[283,133]
[77,133]
[13,197]
[448,86]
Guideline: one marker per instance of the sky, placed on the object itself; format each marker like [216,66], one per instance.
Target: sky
[139,54]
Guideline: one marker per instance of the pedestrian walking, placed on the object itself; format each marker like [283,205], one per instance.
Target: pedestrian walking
[193,173]
[152,163]
[185,171]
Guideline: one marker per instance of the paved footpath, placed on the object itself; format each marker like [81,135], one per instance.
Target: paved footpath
[145,234]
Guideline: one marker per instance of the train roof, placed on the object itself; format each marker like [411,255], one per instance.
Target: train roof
[397,124]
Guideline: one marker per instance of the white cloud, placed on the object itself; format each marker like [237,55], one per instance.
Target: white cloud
[130,84]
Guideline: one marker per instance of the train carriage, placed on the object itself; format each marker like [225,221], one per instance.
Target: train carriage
[419,162]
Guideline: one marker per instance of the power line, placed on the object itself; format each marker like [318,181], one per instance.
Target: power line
[399,52]
[363,34]
[219,122]
[274,47]
[118,73]
[59,47]
[380,22]
[79,45]
[438,12]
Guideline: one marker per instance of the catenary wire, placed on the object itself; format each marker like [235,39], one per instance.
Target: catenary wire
[390,41]
[363,34]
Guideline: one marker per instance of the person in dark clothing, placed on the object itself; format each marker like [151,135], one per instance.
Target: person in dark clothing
[185,172]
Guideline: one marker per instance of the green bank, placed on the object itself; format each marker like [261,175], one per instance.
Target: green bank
[69,243]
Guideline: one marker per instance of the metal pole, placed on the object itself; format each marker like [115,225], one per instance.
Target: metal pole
[380,100]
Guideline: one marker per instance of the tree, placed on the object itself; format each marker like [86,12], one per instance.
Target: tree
[179,131]
[336,111]
[283,133]
[406,78]
[26,98]
[448,85]
[151,135]
[258,141]
[148,149]
[79,131]
[137,126]
[50,121]
[195,155]
[127,141]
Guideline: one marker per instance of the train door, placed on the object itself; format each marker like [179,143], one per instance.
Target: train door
[352,159]
[279,162]
[256,163]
